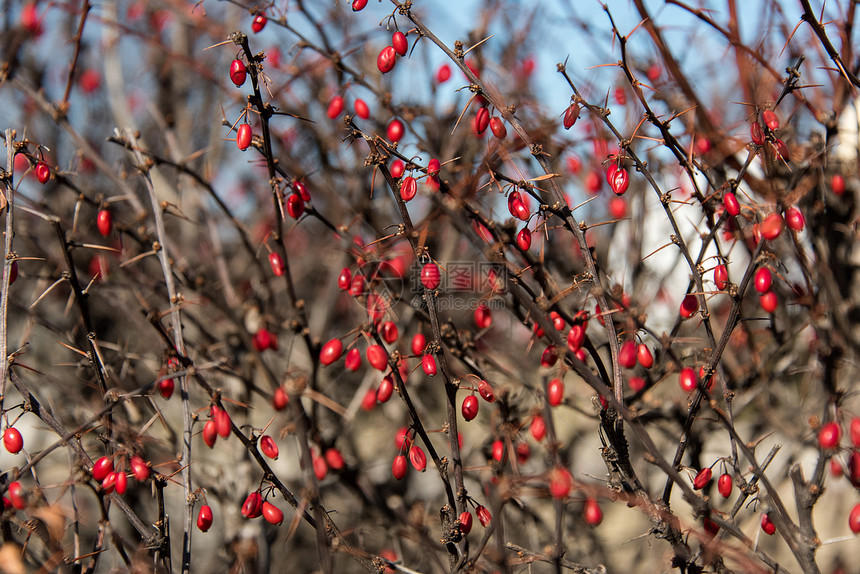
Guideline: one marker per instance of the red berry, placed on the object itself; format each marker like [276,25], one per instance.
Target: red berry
[222,421]
[644,356]
[766,524]
[401,438]
[369,400]
[253,505]
[768,302]
[721,277]
[386,59]
[13,271]
[90,81]
[17,496]
[756,133]
[395,130]
[524,239]
[43,172]
[443,74]
[277,264]
[486,391]
[617,208]
[627,355]
[344,280]
[408,188]
[702,479]
[555,392]
[763,280]
[334,459]
[280,399]
[592,513]
[855,431]
[689,306]
[139,468]
[780,151]
[400,43]
[560,483]
[397,168]
[243,136]
[29,18]
[483,316]
[498,450]
[571,114]
[268,447]
[335,107]
[102,468]
[794,219]
[470,407]
[428,364]
[272,513]
[258,23]
[433,167]
[854,468]
[210,433]
[265,339]
[295,205]
[854,519]
[465,522]
[593,182]
[549,357]
[320,466]
[829,435]
[238,72]
[204,518]
[518,206]
[121,482]
[12,440]
[730,202]
[300,188]
[703,145]
[377,357]
[389,332]
[417,458]
[837,184]
[361,110]
[385,390]
[637,384]
[166,388]
[772,226]
[430,276]
[358,5]
[482,121]
[331,352]
[104,222]
[484,516]
[687,379]
[353,360]
[619,181]
[724,485]
[711,528]
[538,427]
[575,337]
[770,120]
[419,343]
[498,128]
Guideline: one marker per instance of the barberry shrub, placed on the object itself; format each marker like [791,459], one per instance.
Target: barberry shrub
[320,283]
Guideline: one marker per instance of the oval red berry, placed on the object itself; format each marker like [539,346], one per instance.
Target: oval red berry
[400,43]
[386,59]
[238,72]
